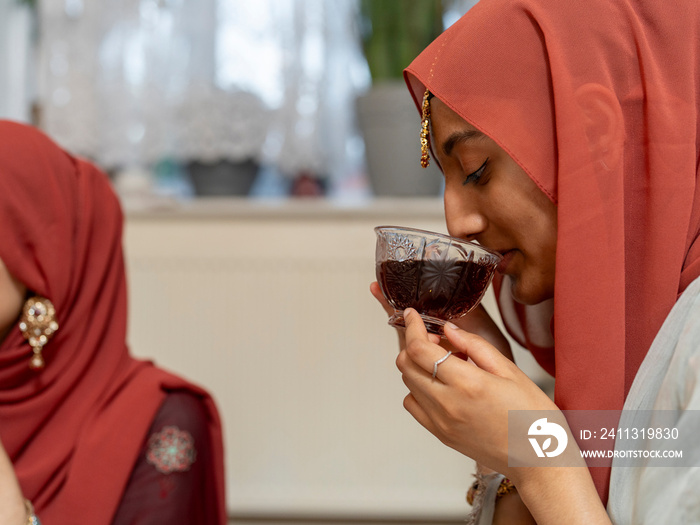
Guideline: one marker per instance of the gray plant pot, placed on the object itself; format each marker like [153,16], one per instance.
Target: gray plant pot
[390,125]
[223,177]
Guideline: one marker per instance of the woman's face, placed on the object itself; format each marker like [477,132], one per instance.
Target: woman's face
[490,199]
[12,294]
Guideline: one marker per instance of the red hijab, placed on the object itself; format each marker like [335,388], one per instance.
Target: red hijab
[598,102]
[74,429]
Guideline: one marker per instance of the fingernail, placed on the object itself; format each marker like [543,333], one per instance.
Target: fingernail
[451,326]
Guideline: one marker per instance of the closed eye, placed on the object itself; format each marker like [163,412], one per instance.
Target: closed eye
[475,176]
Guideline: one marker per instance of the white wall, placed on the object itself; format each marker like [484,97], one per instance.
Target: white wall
[269,308]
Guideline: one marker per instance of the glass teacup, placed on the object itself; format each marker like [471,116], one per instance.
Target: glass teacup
[441,277]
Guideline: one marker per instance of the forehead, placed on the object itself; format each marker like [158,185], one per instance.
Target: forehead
[449,129]
[443,116]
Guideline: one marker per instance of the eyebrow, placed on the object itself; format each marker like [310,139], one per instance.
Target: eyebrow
[461,136]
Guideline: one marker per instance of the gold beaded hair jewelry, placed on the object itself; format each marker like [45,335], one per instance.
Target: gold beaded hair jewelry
[38,324]
[425,131]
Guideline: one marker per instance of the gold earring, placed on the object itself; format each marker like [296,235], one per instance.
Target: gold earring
[425,131]
[38,324]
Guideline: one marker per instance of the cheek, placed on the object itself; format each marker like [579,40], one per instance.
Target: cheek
[11,300]
[549,236]
[538,242]
[540,216]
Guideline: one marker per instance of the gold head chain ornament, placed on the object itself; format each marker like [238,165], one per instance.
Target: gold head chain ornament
[38,324]
[425,130]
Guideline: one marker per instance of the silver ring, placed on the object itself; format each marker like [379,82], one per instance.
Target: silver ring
[439,361]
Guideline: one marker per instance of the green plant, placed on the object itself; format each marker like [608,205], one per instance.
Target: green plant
[395,31]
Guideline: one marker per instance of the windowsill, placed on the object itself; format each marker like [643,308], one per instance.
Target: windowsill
[298,209]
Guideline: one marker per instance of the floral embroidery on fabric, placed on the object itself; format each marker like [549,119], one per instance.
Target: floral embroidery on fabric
[171,450]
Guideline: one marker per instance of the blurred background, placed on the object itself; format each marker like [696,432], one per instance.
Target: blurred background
[185,98]
[255,144]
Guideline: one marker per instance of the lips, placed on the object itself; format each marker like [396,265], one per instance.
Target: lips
[507,255]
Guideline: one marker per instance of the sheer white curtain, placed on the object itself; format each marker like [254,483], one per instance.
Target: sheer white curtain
[16,59]
[130,82]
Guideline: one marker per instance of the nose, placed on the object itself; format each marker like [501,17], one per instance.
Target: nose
[463,215]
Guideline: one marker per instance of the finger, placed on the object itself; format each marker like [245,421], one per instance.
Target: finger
[482,353]
[435,339]
[422,349]
[419,414]
[428,392]
[478,321]
[376,291]
[424,352]
[425,372]
[449,347]
[415,328]
[426,389]
[417,384]
[410,369]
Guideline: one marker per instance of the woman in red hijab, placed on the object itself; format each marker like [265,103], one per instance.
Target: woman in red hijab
[567,133]
[93,435]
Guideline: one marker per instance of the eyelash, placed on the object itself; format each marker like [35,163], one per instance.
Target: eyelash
[474,177]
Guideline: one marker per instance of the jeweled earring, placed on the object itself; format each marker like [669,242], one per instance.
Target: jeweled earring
[38,324]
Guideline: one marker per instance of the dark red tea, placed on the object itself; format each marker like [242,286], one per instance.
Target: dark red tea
[441,289]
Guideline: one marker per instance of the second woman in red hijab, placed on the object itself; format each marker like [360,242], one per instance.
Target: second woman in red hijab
[91,434]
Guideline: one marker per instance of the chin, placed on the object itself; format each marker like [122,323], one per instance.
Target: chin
[528,295]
